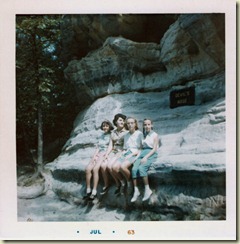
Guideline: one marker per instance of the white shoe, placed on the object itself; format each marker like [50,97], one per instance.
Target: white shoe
[135,196]
[147,194]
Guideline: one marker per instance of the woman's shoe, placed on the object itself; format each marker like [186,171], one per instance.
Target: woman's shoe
[135,196]
[87,196]
[118,190]
[129,189]
[104,190]
[92,197]
[147,194]
[123,189]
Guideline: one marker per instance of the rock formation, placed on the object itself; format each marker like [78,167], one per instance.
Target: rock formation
[122,66]
[136,78]
[84,33]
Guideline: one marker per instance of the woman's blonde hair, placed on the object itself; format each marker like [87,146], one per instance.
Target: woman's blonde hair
[135,121]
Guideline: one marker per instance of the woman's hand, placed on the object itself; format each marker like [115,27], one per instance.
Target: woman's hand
[129,156]
[143,160]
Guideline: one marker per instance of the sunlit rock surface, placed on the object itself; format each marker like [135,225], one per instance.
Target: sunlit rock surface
[136,79]
[191,158]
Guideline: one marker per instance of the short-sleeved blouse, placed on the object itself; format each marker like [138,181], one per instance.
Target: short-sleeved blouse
[148,141]
[133,142]
[117,139]
[103,141]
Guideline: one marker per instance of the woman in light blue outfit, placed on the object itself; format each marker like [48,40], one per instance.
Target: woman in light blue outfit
[131,149]
[97,159]
[147,157]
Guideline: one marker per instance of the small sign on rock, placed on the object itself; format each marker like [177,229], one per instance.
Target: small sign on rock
[182,97]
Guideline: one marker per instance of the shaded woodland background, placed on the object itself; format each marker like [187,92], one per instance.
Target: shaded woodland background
[45,101]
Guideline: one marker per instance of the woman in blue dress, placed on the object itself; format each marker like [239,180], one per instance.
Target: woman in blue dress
[148,155]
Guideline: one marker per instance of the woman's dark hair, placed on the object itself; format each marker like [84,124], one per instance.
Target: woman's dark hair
[108,123]
[117,116]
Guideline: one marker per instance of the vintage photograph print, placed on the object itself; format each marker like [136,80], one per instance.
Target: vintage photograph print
[76,74]
[121,119]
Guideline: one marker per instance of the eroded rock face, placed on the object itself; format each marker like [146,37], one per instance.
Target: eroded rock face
[191,158]
[192,137]
[193,47]
[115,68]
[87,32]
[136,79]
[122,66]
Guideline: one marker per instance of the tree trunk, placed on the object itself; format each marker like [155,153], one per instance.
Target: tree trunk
[39,110]
[40,141]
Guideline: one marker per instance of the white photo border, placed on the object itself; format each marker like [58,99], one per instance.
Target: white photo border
[10,228]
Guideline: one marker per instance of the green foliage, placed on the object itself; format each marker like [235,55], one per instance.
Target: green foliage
[40,81]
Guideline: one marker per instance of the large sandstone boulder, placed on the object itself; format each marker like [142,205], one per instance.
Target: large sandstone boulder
[192,137]
[137,79]
[193,47]
[191,158]
[122,66]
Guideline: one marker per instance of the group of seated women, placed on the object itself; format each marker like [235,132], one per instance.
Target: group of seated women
[119,150]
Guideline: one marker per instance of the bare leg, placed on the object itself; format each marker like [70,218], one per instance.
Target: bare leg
[145,180]
[124,169]
[96,173]
[89,174]
[116,171]
[105,173]
[111,171]
[134,182]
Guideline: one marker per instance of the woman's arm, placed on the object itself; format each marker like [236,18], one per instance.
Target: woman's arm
[110,147]
[138,154]
[155,147]
[95,153]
